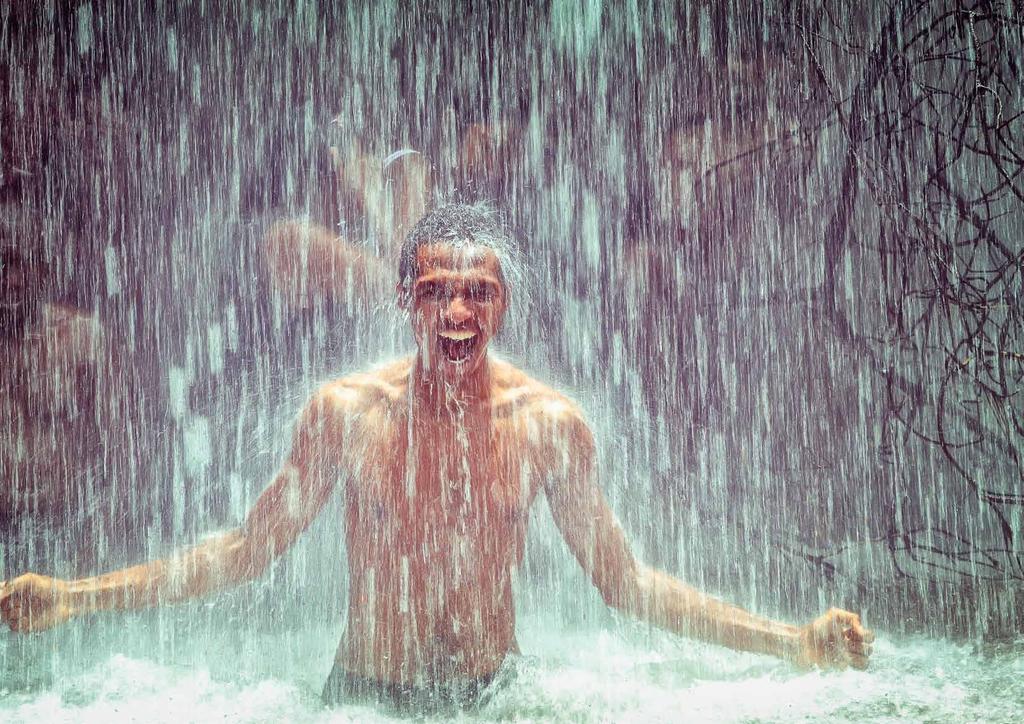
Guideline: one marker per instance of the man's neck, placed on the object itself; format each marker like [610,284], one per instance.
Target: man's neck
[436,395]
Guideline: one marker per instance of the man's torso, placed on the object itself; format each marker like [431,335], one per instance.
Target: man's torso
[436,517]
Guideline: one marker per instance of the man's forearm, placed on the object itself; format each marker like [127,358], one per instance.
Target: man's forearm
[213,564]
[669,603]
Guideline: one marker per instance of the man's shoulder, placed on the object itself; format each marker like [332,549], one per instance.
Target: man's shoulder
[522,394]
[385,384]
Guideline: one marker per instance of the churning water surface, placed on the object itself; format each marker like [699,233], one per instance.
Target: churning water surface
[623,673]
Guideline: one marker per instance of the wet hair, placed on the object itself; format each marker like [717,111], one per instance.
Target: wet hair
[460,225]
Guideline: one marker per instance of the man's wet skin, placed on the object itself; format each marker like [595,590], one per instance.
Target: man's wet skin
[437,508]
[430,561]
[443,454]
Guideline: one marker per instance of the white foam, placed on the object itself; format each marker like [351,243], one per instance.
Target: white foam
[628,675]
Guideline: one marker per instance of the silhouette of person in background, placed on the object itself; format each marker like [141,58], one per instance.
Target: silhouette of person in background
[50,354]
[57,449]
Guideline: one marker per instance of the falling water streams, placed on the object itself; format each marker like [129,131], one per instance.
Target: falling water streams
[772,250]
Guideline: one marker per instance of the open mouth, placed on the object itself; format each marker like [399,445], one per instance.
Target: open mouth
[458,344]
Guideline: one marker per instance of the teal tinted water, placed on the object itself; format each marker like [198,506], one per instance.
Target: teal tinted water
[167,669]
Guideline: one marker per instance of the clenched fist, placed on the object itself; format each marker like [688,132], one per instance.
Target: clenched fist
[34,603]
[835,640]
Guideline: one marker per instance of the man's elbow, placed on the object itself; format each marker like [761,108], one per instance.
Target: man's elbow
[242,558]
[628,594]
[616,597]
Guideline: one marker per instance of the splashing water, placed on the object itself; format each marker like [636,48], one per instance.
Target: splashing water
[569,675]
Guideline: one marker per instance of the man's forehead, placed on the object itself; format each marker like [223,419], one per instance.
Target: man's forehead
[434,259]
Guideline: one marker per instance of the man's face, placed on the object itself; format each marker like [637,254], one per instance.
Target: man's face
[458,302]
[18,297]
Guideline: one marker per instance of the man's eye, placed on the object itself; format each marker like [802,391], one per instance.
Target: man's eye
[480,293]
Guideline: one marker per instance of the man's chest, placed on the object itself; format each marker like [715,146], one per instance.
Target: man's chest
[440,491]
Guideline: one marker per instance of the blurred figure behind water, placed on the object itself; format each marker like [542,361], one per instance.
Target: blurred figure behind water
[67,472]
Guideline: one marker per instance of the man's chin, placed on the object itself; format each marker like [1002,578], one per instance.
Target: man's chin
[457,369]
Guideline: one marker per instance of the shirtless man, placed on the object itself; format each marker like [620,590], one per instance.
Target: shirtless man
[444,454]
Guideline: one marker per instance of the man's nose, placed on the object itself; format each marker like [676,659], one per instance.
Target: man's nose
[457,311]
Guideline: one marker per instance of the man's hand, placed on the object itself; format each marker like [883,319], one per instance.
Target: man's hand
[835,640]
[34,603]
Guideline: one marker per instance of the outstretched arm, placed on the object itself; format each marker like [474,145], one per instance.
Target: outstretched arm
[289,504]
[588,526]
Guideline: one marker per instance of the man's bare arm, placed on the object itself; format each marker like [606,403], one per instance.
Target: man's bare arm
[596,540]
[308,263]
[287,506]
